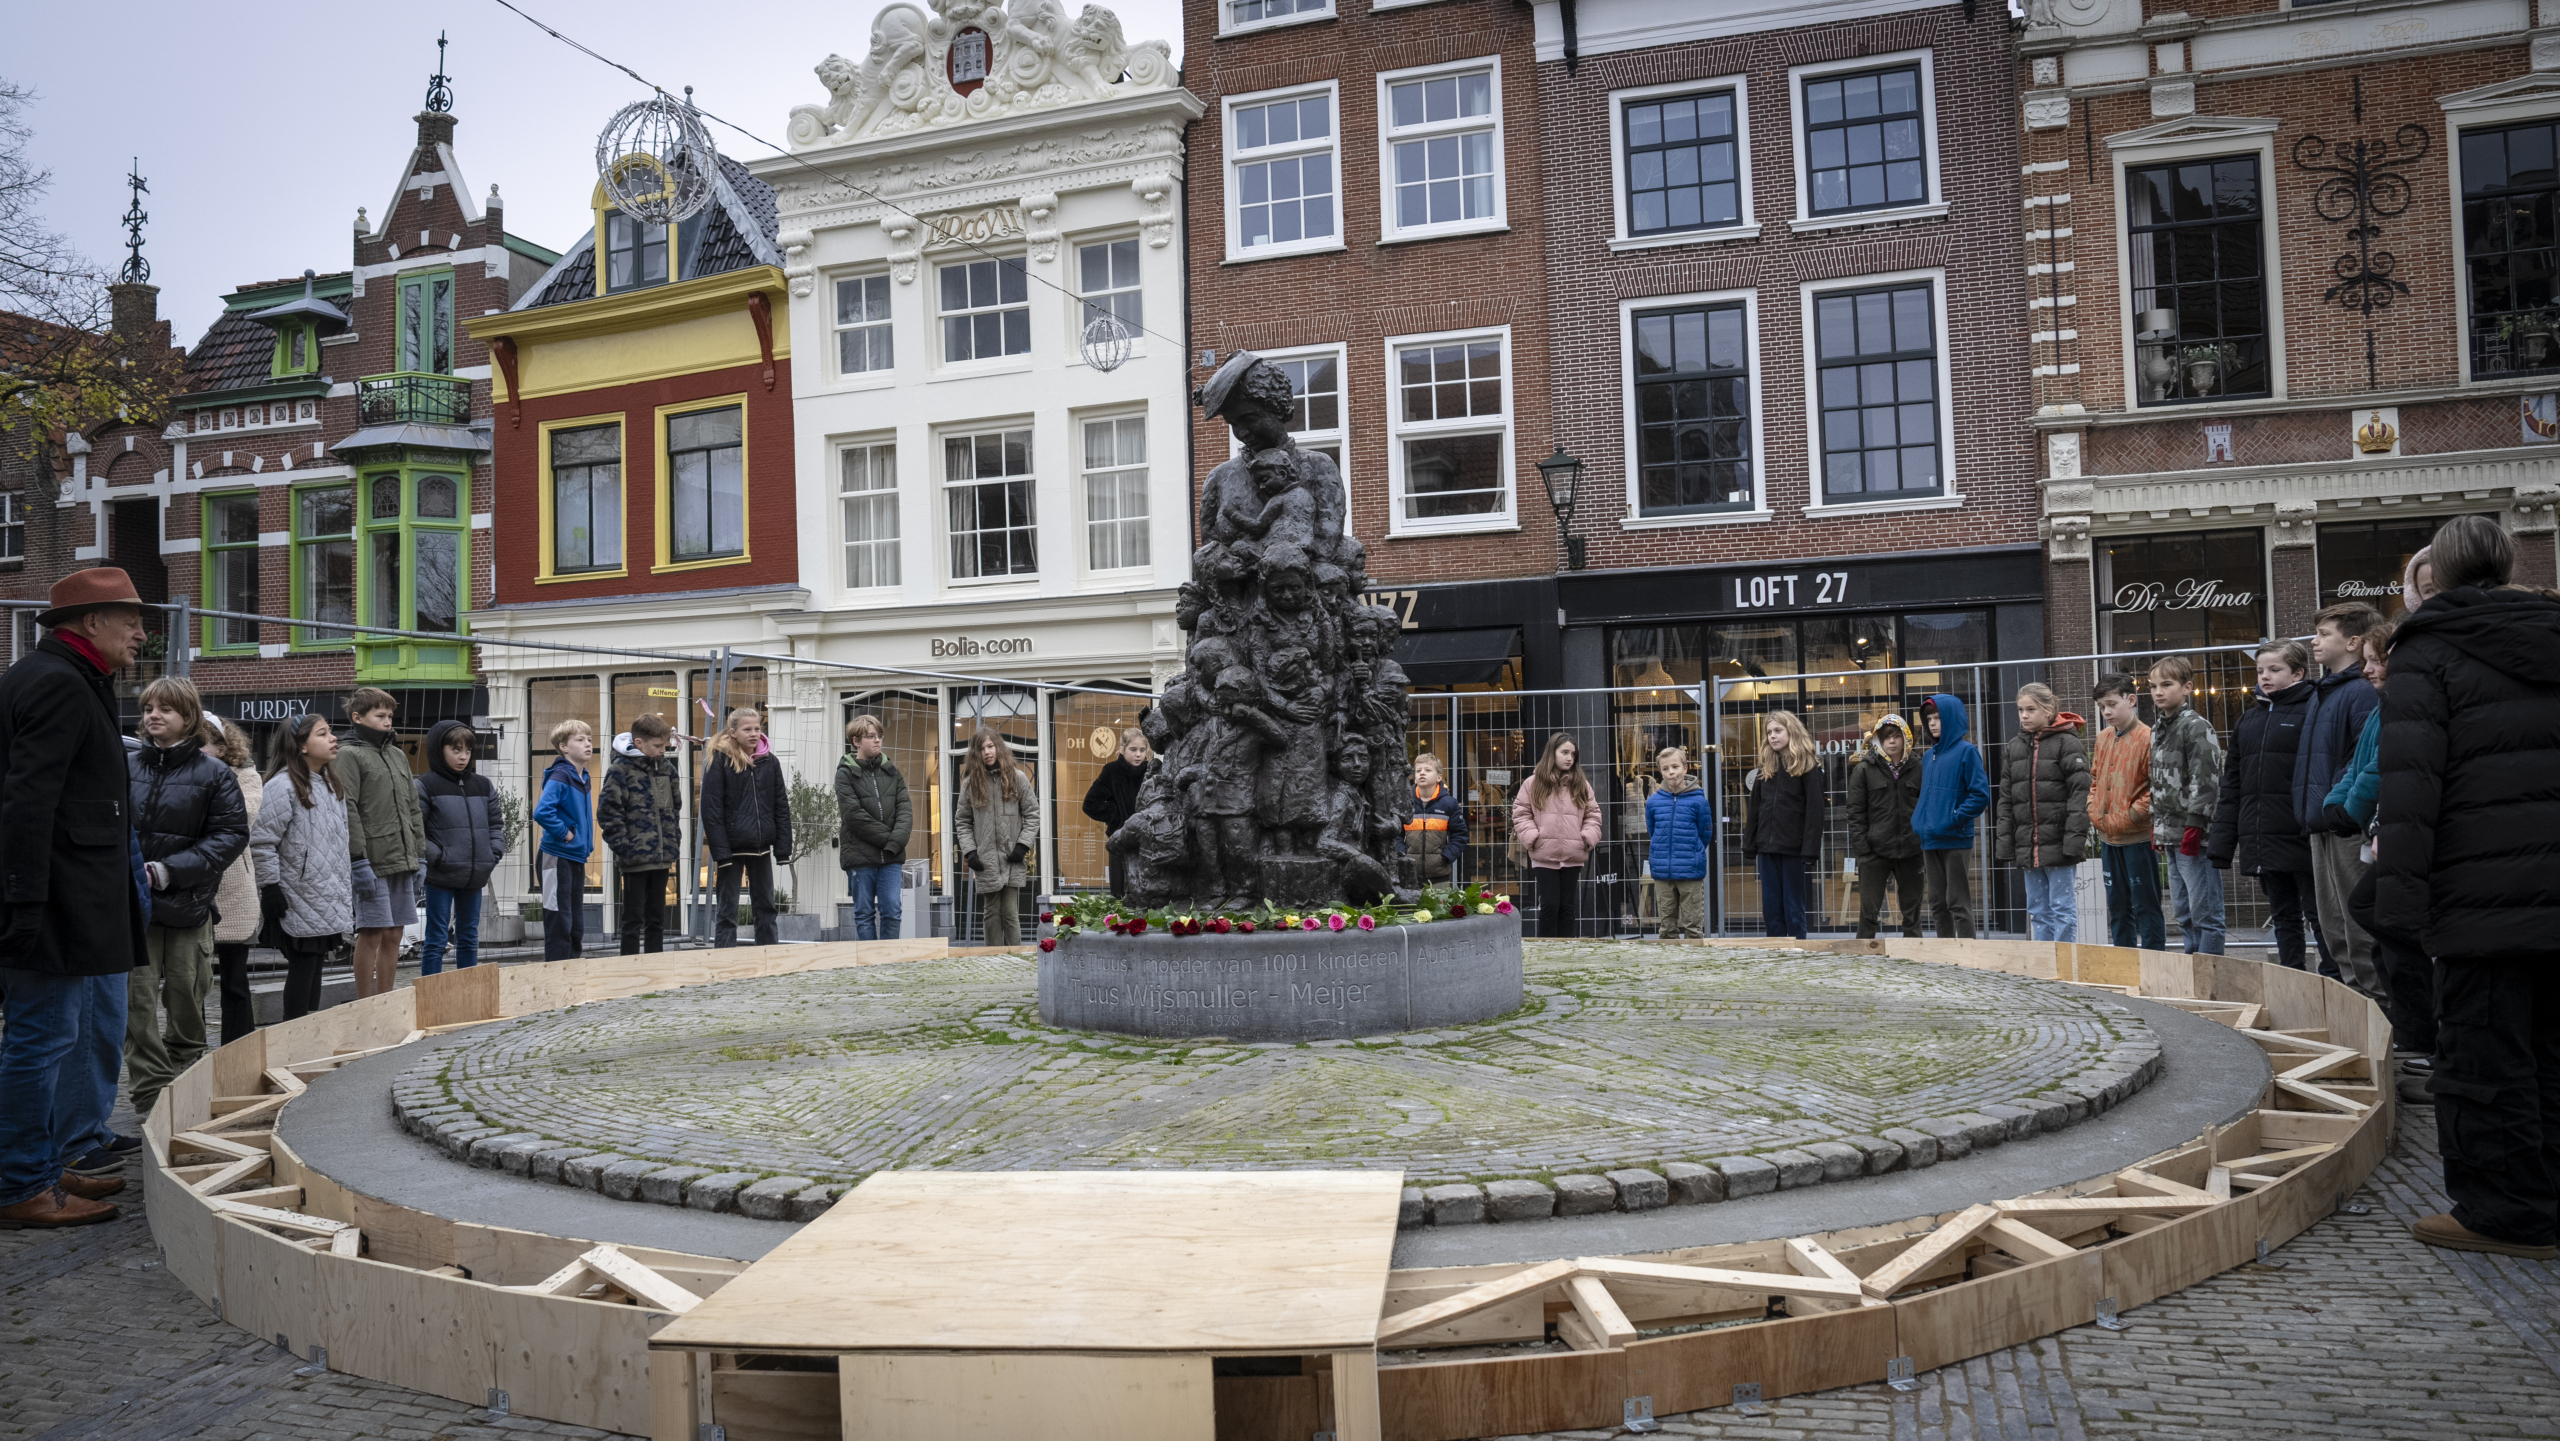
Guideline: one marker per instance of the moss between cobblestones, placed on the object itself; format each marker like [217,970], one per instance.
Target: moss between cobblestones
[1616,1049]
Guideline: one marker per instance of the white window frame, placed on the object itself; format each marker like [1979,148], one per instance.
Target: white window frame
[1077,318]
[895,495]
[1389,232]
[941,436]
[858,379]
[1949,496]
[1622,238]
[13,518]
[2187,141]
[981,364]
[2509,102]
[1936,202]
[1505,519]
[1339,436]
[1233,200]
[1083,495]
[1229,25]
[1635,518]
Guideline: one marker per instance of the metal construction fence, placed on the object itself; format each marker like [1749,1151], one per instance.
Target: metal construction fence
[1488,741]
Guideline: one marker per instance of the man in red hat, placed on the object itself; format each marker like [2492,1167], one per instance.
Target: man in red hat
[71,919]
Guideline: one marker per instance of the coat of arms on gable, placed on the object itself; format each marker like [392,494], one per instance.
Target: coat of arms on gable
[974,60]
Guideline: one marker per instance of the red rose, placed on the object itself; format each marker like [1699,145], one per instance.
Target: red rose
[1457,913]
[1222,925]
[1048,916]
[1245,926]
[1048,943]
[1138,927]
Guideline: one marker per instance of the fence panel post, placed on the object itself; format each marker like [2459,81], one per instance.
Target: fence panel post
[182,637]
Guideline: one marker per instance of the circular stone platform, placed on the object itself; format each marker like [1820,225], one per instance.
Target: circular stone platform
[1752,1062]
[1285,985]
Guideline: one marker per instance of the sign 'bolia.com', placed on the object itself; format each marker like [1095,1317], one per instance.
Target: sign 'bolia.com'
[962,646]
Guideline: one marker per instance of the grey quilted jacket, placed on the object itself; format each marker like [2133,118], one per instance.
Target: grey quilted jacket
[305,851]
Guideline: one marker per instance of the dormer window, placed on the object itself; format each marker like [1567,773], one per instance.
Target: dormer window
[635,254]
[298,350]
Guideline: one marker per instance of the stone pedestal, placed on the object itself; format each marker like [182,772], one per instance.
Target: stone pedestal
[1285,985]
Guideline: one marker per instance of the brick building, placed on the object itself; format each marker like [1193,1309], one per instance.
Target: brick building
[1365,209]
[2291,299]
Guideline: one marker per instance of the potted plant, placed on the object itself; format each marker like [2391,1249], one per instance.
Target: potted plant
[497,925]
[814,823]
[2209,364]
[2528,336]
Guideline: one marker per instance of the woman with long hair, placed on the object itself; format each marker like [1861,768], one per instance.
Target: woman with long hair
[306,879]
[746,821]
[2465,860]
[1555,821]
[236,922]
[1113,796]
[1788,791]
[996,817]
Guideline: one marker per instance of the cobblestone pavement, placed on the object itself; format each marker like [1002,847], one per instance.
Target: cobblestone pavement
[2362,1333]
[1627,1055]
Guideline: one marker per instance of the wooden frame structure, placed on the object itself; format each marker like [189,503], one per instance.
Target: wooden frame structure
[562,1328]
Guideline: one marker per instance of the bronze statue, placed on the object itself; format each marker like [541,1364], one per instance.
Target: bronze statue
[1283,739]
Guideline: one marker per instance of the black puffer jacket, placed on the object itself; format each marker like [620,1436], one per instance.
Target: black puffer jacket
[458,812]
[2253,825]
[745,811]
[1881,799]
[189,816]
[2041,802]
[2469,853]
[1786,814]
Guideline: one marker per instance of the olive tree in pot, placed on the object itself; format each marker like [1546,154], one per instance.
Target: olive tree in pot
[499,925]
[813,834]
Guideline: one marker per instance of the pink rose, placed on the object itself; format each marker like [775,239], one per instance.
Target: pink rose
[1368,923]
[1334,921]
[1308,924]
[1502,908]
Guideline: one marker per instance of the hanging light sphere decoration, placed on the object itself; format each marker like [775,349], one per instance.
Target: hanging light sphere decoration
[1106,342]
[656,159]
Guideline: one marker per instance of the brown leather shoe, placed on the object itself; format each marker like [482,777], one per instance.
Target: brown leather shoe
[2454,1236]
[91,1188]
[47,1210]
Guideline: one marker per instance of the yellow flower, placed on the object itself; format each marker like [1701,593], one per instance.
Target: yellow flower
[1289,921]
[1421,918]
[1485,909]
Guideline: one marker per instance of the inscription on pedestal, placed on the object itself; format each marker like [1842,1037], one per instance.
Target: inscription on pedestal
[1289,986]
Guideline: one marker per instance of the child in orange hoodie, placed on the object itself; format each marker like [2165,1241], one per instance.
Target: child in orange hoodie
[2120,813]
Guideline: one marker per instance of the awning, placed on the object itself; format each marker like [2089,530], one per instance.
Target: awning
[1456,657]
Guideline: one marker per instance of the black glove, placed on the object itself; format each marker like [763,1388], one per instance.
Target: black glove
[893,855]
[1017,853]
[974,863]
[2337,822]
[271,902]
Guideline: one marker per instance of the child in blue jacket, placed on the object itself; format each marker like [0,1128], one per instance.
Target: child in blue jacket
[566,818]
[1954,789]
[1681,823]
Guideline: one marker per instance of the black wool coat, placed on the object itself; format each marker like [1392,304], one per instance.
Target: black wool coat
[188,811]
[2254,828]
[67,841]
[1113,796]
[2468,856]
[745,810]
[1786,814]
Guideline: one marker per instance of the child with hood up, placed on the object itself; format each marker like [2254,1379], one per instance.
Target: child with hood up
[465,839]
[1953,790]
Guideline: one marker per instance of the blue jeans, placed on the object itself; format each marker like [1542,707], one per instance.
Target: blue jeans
[2133,896]
[1784,889]
[48,1081]
[2195,897]
[457,912]
[882,886]
[2053,903]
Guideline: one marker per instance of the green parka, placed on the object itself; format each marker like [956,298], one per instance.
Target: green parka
[874,812]
[384,826]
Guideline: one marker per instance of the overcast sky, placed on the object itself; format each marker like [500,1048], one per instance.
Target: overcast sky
[261,127]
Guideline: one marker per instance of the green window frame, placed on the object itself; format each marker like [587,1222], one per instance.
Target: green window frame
[229,526]
[417,522]
[425,327]
[297,351]
[324,562]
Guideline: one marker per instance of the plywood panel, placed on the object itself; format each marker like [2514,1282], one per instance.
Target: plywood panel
[189,1098]
[1785,1358]
[189,1236]
[1274,1261]
[2168,973]
[584,1362]
[267,1285]
[546,986]
[401,1236]
[239,1069]
[321,1196]
[2145,1267]
[1952,1323]
[934,1397]
[1459,1400]
[450,998]
[675,1397]
[2106,965]
[2352,1020]
[428,1333]
[2294,1000]
[2223,978]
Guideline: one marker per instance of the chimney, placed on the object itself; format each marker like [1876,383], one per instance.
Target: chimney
[435,127]
[136,309]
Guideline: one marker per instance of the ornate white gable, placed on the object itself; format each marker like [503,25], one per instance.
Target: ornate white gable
[2187,128]
[1011,59]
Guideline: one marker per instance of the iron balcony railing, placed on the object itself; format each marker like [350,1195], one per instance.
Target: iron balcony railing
[411,397]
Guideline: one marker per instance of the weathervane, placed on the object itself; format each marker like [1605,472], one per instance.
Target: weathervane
[440,85]
[136,269]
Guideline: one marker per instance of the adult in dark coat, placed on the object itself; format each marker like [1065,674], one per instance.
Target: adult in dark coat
[2254,830]
[74,919]
[2469,861]
[1113,797]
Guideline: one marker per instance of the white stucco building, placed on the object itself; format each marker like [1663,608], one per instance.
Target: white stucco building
[975,495]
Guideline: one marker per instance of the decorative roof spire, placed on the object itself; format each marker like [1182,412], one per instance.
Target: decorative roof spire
[440,85]
[136,271]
